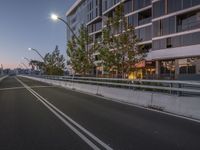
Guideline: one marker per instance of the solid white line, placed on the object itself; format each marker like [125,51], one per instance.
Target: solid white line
[76,124]
[53,109]
[16,88]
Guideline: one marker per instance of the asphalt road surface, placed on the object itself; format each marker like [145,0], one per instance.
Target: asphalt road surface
[38,116]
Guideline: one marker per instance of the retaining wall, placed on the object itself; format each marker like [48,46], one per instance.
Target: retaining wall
[180,105]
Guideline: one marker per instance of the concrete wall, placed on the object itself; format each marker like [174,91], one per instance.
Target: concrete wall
[184,106]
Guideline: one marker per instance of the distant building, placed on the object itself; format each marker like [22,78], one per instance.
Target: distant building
[169,29]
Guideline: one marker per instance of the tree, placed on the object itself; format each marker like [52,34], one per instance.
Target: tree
[36,63]
[119,50]
[81,53]
[54,63]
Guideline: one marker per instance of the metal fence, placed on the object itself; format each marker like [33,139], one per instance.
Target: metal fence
[175,87]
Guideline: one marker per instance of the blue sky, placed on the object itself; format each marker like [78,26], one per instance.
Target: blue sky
[27,23]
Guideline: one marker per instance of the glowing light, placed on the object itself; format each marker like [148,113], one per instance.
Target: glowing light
[54,17]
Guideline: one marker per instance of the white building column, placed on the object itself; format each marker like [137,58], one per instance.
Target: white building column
[157,68]
[176,68]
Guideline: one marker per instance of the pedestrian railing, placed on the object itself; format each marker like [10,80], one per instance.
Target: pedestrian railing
[180,88]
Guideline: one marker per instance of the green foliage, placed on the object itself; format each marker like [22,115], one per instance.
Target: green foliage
[54,63]
[119,50]
[36,63]
[80,53]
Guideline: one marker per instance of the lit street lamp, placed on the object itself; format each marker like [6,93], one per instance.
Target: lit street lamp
[32,49]
[56,17]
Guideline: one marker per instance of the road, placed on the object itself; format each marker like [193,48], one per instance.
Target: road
[38,116]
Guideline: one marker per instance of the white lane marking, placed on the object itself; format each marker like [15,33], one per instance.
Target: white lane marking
[53,109]
[76,124]
[16,88]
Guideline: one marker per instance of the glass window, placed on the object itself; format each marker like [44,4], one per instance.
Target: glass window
[195,2]
[145,33]
[167,67]
[144,17]
[172,28]
[173,5]
[128,7]
[187,66]
[176,41]
[138,4]
[168,25]
[196,38]
[163,44]
[158,8]
[164,27]
[156,44]
[186,40]
[132,20]
[188,21]
[147,47]
[187,3]
[156,28]
[169,42]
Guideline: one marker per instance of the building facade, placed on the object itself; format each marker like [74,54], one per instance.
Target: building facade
[169,29]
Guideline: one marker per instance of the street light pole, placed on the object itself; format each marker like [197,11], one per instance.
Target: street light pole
[37,53]
[27,59]
[24,65]
[55,17]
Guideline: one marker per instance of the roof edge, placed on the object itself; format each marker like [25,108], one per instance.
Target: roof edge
[73,7]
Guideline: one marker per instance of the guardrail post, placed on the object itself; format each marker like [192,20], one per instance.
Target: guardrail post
[171,85]
[73,81]
[179,92]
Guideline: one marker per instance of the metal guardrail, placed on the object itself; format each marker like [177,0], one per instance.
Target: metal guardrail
[180,88]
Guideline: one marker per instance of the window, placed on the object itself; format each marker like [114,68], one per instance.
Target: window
[138,4]
[105,5]
[169,42]
[128,7]
[177,41]
[158,8]
[173,5]
[144,17]
[156,44]
[145,33]
[164,27]
[187,66]
[132,20]
[195,2]
[188,21]
[157,28]
[187,3]
[97,12]
[168,26]
[147,47]
[167,67]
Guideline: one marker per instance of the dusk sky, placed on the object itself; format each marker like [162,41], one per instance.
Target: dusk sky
[27,23]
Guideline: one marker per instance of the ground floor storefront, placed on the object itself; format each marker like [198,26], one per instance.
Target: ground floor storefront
[181,69]
[168,69]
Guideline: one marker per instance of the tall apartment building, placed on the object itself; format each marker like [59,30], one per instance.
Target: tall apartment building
[169,29]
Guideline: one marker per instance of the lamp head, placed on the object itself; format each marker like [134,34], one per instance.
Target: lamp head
[54,17]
